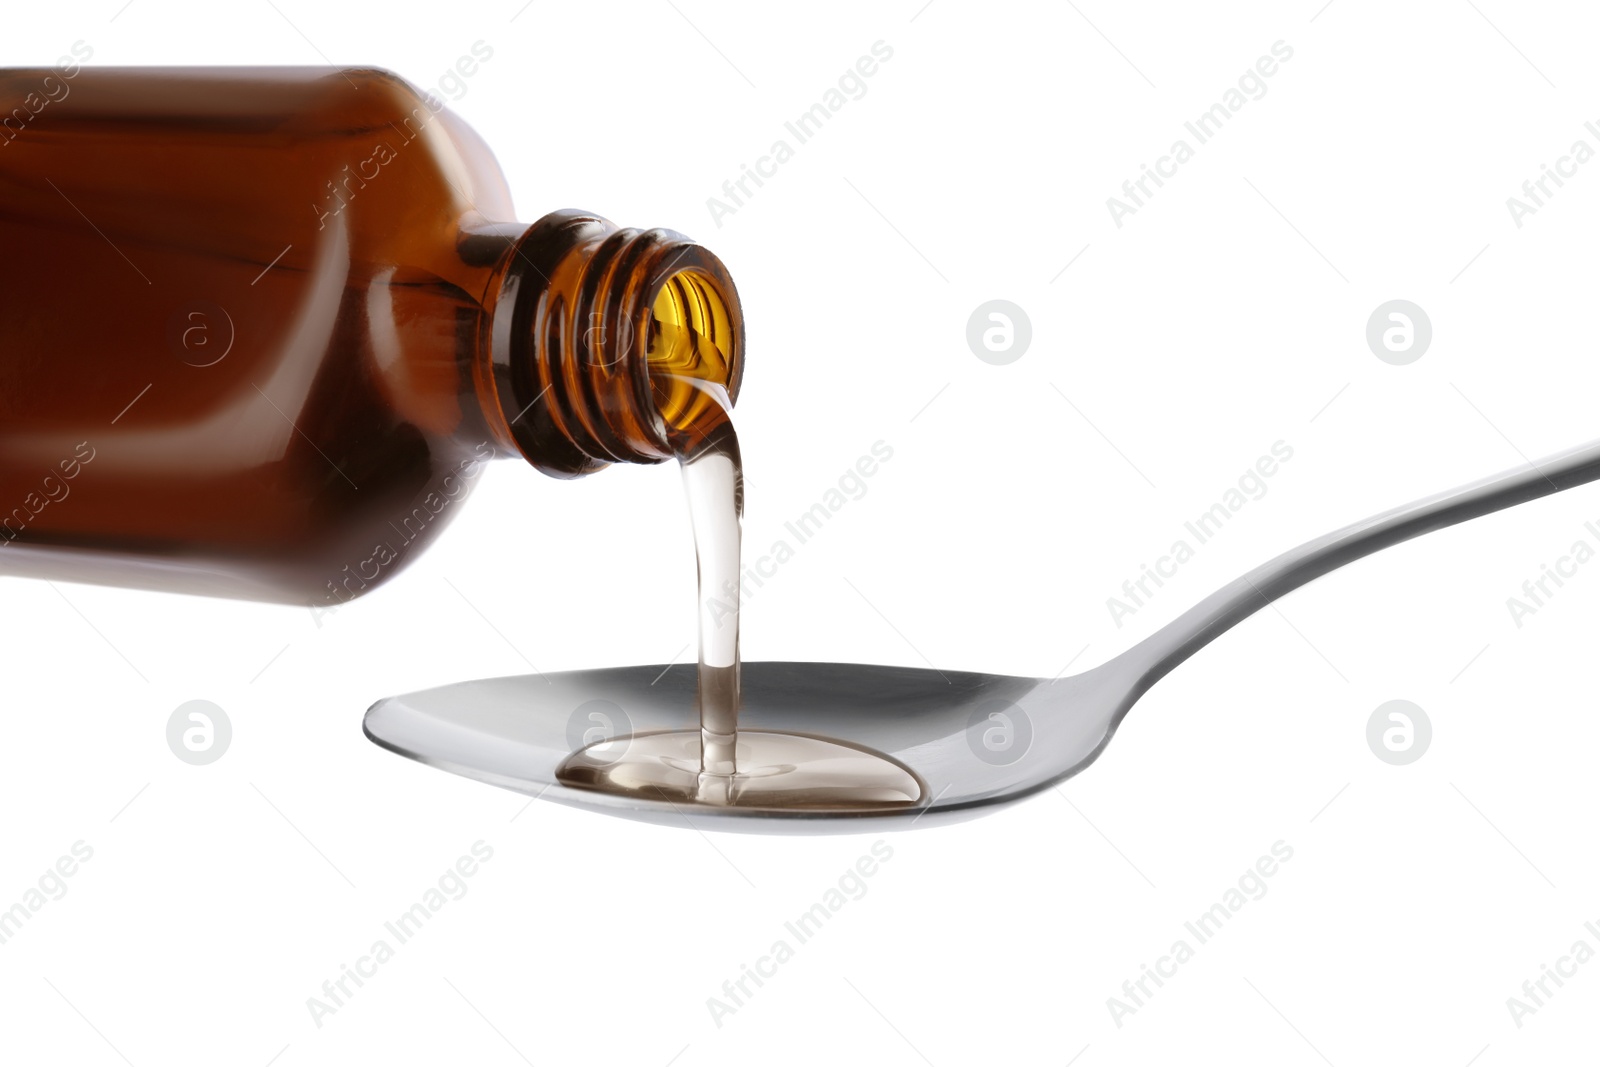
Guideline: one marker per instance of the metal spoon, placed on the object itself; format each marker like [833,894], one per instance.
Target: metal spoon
[977,741]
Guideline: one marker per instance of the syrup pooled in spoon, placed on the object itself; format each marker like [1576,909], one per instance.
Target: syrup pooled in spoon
[718,764]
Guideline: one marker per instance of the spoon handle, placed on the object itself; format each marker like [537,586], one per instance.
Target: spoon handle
[1147,662]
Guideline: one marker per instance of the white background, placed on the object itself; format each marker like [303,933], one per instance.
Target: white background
[1226,315]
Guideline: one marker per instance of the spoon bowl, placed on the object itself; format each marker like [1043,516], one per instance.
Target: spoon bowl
[975,740]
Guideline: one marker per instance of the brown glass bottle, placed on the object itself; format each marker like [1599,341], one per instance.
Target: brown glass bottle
[260,328]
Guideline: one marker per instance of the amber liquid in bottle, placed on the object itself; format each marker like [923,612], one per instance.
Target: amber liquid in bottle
[260,328]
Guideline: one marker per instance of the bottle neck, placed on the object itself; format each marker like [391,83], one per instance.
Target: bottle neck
[595,338]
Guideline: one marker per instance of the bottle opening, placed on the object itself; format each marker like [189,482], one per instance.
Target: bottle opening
[690,344]
[608,345]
